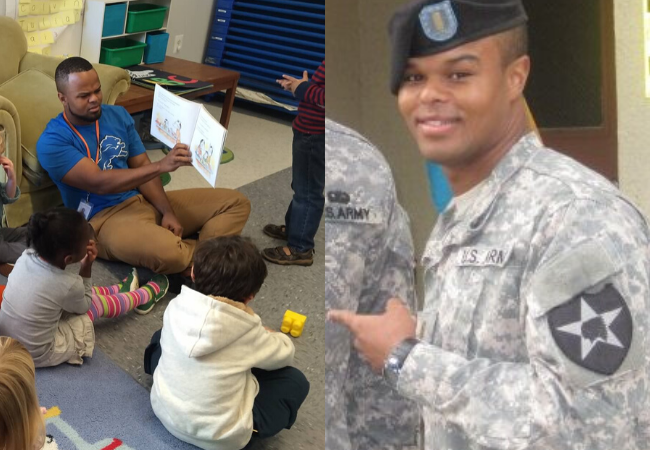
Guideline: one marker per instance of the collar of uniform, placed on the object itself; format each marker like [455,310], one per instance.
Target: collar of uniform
[457,229]
[509,165]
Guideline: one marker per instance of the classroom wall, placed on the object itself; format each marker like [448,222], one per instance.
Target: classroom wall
[192,19]
[343,94]
[67,39]
[633,106]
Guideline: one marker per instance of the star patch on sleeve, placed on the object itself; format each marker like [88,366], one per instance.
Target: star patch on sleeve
[594,330]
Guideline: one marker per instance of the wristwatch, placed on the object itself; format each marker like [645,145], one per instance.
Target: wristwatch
[395,361]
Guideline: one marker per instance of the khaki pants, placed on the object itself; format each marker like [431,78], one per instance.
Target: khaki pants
[131,231]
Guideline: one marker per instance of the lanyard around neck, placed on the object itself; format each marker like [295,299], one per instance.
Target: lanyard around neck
[82,138]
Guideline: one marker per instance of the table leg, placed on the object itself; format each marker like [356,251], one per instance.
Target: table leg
[227,106]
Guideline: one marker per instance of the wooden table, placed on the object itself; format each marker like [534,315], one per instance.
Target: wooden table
[138,99]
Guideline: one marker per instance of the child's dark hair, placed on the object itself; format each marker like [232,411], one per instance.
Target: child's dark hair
[228,266]
[56,231]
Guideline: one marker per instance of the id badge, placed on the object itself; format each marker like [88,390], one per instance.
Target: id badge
[85,208]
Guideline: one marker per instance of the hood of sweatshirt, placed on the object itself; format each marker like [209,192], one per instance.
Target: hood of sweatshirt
[203,324]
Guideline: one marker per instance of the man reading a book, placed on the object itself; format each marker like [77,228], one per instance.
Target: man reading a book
[96,158]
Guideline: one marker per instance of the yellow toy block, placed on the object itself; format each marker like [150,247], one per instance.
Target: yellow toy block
[293,323]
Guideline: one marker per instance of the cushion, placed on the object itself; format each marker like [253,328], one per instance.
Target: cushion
[13,48]
[35,97]
[34,181]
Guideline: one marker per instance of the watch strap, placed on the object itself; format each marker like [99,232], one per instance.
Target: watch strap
[396,358]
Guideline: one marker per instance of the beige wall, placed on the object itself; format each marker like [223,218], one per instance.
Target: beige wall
[343,94]
[357,47]
[192,19]
[633,107]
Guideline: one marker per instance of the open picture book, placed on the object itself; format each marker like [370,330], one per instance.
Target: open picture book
[175,120]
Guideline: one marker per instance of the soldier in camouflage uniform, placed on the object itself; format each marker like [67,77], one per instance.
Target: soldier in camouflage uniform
[533,331]
[369,259]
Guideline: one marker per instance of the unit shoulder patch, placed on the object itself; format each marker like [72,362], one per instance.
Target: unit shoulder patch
[594,330]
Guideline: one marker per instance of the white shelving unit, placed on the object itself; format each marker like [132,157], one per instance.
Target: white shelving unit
[91,40]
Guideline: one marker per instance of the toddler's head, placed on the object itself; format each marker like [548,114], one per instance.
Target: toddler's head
[229,266]
[21,421]
[59,235]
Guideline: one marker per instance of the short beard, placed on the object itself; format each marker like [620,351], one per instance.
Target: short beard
[90,118]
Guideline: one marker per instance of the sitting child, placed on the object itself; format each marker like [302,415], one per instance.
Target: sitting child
[13,241]
[50,310]
[21,420]
[204,391]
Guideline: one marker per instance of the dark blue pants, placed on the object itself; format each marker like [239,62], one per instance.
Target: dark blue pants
[308,183]
[276,406]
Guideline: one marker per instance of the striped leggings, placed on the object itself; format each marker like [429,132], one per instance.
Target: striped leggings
[109,302]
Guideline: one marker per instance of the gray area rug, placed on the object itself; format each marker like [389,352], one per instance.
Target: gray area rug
[300,289]
[116,412]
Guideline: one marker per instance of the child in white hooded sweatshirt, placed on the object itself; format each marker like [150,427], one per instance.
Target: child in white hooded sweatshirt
[222,380]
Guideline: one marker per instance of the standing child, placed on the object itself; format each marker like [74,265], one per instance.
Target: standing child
[304,213]
[204,391]
[50,310]
[21,419]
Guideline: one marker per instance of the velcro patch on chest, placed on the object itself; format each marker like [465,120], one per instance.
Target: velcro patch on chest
[484,256]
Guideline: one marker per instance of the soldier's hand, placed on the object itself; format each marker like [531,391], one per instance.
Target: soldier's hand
[179,156]
[377,335]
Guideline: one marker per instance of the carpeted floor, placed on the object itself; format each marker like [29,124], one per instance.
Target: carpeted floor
[114,407]
[300,289]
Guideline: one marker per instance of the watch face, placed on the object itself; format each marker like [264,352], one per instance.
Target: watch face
[391,370]
[394,363]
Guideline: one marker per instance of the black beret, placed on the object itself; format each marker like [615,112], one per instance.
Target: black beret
[427,27]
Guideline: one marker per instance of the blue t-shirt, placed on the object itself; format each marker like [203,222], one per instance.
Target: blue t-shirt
[59,149]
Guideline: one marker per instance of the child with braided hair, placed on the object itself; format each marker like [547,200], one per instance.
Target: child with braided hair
[51,311]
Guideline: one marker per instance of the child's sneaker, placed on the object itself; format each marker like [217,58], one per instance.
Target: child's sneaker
[131,282]
[162,284]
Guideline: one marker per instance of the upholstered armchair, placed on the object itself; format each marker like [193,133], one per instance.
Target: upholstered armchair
[28,100]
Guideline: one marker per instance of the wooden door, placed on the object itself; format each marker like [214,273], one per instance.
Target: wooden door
[572,87]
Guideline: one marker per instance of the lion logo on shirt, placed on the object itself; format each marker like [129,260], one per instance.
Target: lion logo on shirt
[111,147]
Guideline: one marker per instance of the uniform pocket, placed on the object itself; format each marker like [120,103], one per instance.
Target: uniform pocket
[475,311]
[343,280]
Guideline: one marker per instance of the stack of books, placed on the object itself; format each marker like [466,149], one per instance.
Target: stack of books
[149,77]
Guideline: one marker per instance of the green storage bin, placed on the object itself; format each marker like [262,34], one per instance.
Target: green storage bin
[121,52]
[145,17]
